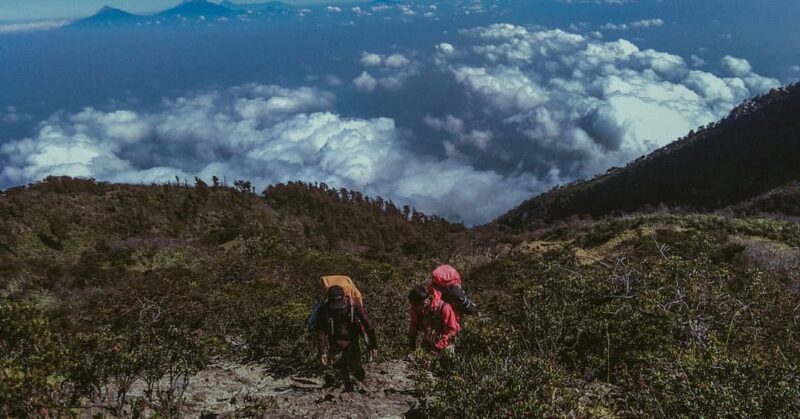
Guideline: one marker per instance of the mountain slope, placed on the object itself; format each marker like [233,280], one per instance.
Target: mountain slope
[756,148]
[783,200]
[111,290]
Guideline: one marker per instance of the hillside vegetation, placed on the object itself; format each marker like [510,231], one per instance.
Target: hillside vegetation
[103,285]
[644,315]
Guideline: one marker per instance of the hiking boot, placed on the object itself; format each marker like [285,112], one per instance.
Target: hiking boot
[348,383]
[328,381]
[360,374]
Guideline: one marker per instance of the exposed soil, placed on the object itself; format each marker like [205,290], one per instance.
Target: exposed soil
[235,390]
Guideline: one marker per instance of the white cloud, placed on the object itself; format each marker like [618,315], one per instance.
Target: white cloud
[639,24]
[334,9]
[265,134]
[506,88]
[359,11]
[392,71]
[397,61]
[736,66]
[742,69]
[648,23]
[446,49]
[32,26]
[449,124]
[576,106]
[615,27]
[456,127]
[697,61]
[406,10]
[365,82]
[370,59]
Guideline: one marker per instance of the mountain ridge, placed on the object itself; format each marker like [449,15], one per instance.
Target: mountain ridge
[188,9]
[747,153]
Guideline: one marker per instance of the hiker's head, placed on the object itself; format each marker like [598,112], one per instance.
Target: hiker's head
[419,296]
[336,300]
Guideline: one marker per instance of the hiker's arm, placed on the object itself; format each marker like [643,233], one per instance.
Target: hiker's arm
[450,328]
[361,312]
[412,328]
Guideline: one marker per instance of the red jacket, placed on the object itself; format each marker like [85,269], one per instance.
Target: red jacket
[437,321]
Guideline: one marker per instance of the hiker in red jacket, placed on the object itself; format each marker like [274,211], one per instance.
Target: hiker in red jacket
[446,280]
[433,318]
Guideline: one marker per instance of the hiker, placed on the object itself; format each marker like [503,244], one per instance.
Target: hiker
[325,282]
[433,318]
[338,325]
[446,280]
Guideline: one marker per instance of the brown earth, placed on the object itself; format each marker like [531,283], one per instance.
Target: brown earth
[230,390]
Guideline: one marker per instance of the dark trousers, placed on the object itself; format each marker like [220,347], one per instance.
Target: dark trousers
[349,362]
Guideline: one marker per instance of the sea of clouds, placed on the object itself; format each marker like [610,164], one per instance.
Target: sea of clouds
[550,107]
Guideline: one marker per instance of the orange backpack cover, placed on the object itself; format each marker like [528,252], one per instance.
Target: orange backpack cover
[345,282]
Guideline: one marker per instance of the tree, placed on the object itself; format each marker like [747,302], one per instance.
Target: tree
[243,186]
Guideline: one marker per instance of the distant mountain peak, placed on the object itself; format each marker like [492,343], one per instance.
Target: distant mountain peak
[108,16]
[198,8]
[108,10]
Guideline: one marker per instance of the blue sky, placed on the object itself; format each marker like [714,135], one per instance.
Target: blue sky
[462,108]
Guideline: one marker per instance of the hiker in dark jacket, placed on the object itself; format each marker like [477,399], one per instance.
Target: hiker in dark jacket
[338,328]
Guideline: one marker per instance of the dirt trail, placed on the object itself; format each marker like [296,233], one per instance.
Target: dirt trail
[236,390]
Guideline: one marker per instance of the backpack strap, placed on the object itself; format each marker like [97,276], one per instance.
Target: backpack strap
[332,323]
[351,316]
[352,310]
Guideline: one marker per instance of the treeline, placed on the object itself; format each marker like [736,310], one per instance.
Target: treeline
[60,210]
[342,219]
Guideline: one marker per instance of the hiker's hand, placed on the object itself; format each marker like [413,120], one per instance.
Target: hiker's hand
[323,359]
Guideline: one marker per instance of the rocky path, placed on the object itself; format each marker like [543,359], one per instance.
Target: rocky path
[236,390]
